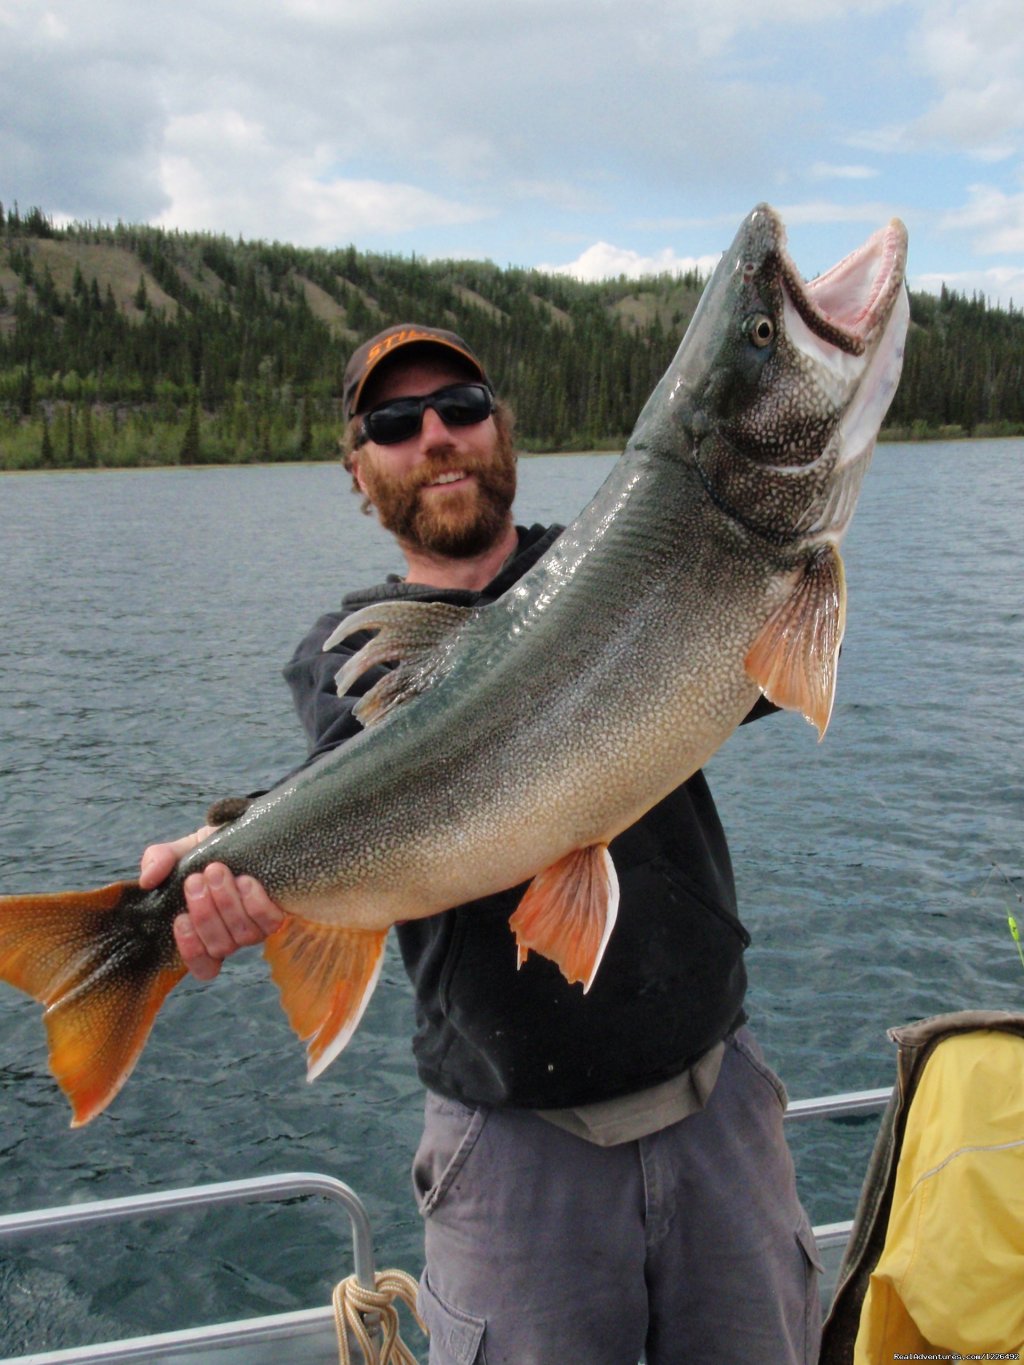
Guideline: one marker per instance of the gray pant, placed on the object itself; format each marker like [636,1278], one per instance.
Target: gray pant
[689,1245]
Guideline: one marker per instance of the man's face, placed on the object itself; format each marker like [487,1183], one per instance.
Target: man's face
[445,490]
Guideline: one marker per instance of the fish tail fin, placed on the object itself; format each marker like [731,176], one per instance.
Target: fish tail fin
[101,963]
[326,976]
[569,911]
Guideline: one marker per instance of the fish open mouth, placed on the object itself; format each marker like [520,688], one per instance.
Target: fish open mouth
[849,303]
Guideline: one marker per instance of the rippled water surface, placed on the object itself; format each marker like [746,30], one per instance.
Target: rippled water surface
[145,617]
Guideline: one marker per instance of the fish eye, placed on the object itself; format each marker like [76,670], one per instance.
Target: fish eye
[761,329]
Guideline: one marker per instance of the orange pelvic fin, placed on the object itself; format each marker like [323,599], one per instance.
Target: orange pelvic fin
[795,657]
[569,911]
[326,977]
[102,963]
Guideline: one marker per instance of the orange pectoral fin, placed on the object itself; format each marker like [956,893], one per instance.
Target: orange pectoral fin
[102,963]
[568,913]
[794,659]
[326,976]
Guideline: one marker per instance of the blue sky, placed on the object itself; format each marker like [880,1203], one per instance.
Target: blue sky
[595,136]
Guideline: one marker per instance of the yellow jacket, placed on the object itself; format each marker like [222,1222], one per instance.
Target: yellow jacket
[936,1263]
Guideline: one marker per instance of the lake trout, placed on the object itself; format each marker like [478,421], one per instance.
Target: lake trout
[510,743]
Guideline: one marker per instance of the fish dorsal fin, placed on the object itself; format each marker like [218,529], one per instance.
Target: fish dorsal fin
[414,635]
[794,658]
[569,911]
[326,976]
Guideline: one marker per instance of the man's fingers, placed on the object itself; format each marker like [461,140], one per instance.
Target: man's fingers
[264,913]
[158,860]
[194,955]
[244,911]
[205,913]
[224,914]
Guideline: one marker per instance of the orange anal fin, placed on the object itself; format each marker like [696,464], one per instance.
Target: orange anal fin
[102,962]
[795,657]
[326,976]
[569,911]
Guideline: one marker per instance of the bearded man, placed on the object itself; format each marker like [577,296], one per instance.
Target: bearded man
[601,1176]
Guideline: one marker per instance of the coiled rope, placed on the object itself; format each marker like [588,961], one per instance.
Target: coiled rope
[352,1301]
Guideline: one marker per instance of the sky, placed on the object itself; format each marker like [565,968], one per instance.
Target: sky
[597,137]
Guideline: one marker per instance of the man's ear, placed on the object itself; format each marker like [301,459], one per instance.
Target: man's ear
[358,475]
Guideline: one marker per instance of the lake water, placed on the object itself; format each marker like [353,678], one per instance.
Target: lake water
[145,616]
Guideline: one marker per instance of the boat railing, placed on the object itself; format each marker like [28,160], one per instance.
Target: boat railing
[313,1326]
[852,1102]
[310,1334]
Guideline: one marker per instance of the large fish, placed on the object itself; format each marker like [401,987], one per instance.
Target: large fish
[511,743]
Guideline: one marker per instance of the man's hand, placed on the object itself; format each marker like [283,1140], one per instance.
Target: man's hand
[225,912]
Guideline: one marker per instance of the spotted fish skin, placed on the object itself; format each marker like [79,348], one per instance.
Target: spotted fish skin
[511,743]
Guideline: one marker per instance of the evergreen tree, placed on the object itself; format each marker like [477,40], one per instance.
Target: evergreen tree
[69,435]
[264,452]
[26,391]
[46,448]
[190,452]
[305,429]
[89,438]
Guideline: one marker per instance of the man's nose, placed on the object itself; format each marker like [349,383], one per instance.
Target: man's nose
[433,431]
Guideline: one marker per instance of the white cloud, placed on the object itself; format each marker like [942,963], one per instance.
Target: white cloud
[332,213]
[973,50]
[818,211]
[602,261]
[508,128]
[884,140]
[466,100]
[969,54]
[995,220]
[1000,285]
[823,170]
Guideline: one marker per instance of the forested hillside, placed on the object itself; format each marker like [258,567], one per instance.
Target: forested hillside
[128,345]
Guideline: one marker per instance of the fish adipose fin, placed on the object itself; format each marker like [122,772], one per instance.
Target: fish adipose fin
[102,967]
[569,911]
[794,659]
[413,635]
[326,976]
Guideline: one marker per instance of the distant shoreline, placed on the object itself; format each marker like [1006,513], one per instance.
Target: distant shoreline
[885,438]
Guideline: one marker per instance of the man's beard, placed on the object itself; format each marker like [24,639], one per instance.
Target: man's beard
[457,525]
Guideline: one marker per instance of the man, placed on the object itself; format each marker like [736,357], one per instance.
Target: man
[602,1175]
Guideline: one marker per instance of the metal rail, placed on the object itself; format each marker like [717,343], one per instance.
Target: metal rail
[839,1106]
[283,1186]
[315,1325]
[307,1337]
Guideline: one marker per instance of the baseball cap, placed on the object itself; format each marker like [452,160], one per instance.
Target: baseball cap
[370,354]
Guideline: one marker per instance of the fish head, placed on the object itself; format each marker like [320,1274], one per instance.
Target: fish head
[780,385]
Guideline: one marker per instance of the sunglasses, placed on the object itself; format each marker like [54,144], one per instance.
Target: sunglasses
[457,405]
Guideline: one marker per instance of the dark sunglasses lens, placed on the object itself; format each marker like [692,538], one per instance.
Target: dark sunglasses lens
[394,422]
[460,405]
[464,405]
